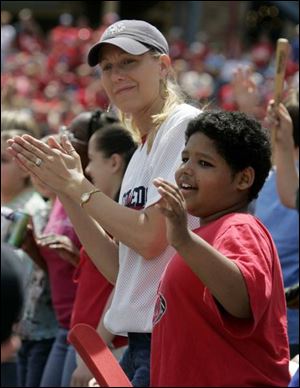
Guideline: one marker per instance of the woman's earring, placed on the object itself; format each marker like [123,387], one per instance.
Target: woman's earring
[108,108]
[164,88]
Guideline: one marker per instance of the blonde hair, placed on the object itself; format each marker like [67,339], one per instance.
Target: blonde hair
[172,96]
[19,120]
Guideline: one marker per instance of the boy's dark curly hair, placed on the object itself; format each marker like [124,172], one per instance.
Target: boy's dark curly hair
[240,140]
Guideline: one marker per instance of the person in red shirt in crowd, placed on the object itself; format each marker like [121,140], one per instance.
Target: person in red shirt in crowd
[59,238]
[30,37]
[220,317]
[110,150]
[111,146]
[261,52]
[64,44]
[58,246]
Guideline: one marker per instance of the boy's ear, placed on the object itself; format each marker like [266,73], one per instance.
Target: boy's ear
[245,178]
[116,162]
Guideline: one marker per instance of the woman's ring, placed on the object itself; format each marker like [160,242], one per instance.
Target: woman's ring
[38,162]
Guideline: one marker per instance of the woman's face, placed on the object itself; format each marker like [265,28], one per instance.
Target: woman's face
[132,82]
[99,168]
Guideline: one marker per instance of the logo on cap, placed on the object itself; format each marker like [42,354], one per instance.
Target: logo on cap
[114,30]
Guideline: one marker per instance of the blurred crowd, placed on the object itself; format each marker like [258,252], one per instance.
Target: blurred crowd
[48,88]
[48,72]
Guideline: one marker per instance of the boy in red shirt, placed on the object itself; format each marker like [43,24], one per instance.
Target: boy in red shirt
[220,317]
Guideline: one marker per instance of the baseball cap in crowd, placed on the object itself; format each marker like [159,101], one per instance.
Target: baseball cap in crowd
[136,37]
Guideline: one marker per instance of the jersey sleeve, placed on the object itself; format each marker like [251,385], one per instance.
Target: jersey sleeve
[253,255]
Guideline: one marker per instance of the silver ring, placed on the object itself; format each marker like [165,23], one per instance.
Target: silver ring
[38,162]
[71,151]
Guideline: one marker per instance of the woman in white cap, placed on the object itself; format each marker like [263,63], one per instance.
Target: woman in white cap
[136,75]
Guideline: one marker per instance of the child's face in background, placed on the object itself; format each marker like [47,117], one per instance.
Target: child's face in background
[205,179]
[99,169]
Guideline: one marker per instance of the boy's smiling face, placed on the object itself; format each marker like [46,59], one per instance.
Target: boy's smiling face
[206,181]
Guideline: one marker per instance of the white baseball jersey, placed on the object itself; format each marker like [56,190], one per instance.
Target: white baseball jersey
[134,298]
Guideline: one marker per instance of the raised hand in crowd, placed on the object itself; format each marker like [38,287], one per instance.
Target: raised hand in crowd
[30,246]
[287,180]
[63,245]
[246,92]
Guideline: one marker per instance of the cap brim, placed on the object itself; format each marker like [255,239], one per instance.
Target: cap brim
[129,45]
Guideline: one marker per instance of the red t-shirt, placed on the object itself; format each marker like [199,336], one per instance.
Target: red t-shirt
[194,343]
[60,271]
[92,293]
